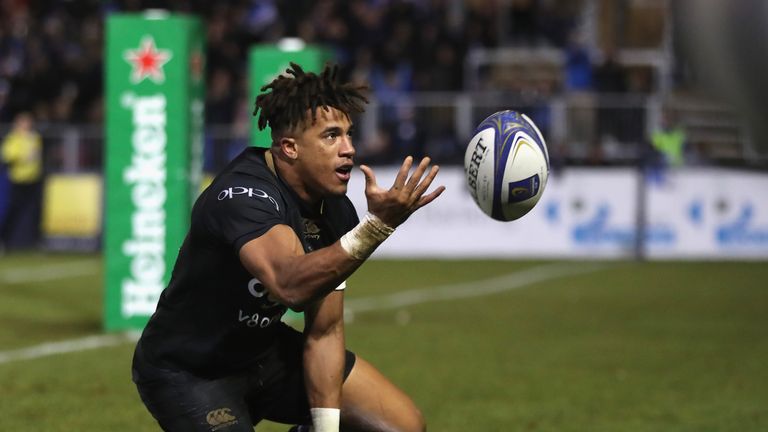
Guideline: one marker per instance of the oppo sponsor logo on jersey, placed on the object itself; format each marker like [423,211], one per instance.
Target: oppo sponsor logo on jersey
[232,192]
[145,176]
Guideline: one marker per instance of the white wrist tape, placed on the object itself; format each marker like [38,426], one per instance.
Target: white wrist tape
[362,240]
[325,419]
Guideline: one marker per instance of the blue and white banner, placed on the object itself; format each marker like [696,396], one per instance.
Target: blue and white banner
[593,213]
[711,213]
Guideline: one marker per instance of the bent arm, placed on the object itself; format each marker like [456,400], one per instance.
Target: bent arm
[296,279]
[277,258]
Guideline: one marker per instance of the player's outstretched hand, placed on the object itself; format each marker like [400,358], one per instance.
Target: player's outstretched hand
[406,195]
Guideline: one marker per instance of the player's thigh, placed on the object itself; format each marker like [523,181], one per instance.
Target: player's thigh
[182,402]
[372,403]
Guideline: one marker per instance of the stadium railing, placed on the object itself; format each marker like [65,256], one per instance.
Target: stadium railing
[580,128]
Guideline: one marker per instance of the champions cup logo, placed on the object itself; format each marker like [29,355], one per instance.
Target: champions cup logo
[524,189]
[145,176]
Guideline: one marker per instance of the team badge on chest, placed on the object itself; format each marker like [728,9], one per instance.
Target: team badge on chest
[311,230]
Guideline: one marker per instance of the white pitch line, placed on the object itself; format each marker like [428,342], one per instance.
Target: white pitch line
[49,272]
[508,282]
[67,346]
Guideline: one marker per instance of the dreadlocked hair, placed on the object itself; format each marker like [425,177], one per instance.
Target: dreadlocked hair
[286,104]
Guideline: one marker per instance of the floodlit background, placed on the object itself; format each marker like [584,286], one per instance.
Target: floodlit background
[631,298]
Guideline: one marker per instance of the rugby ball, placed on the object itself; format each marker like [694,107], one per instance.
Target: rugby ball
[506,165]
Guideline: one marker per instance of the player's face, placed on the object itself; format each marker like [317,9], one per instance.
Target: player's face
[326,153]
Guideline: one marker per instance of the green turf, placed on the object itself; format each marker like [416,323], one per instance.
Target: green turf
[630,347]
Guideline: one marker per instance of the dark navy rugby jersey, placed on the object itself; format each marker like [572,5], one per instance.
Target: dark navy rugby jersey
[215,317]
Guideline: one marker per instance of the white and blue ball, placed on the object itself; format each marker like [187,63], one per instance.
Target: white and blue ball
[506,165]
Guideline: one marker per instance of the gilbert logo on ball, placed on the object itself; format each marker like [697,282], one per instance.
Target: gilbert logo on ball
[506,165]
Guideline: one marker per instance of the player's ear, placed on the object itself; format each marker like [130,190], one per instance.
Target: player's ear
[288,147]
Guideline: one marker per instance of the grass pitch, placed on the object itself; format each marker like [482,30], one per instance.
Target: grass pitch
[626,347]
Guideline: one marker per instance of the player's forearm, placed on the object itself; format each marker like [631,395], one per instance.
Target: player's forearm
[293,277]
[351,250]
[306,278]
[324,368]
[297,279]
[312,275]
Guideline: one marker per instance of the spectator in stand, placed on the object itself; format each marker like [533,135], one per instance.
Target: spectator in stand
[578,65]
[523,20]
[391,82]
[482,23]
[220,103]
[610,75]
[557,20]
[669,141]
[438,60]
[610,80]
[581,111]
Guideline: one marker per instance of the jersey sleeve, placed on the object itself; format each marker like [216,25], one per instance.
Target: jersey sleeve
[237,214]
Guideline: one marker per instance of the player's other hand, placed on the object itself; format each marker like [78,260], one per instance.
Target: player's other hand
[407,194]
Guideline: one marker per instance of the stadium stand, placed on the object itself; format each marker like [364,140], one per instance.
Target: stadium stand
[597,74]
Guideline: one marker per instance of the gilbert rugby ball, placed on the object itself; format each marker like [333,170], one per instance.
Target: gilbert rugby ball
[506,165]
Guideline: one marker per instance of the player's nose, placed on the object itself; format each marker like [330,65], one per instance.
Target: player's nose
[346,149]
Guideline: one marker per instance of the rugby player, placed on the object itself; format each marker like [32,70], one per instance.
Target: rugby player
[275,230]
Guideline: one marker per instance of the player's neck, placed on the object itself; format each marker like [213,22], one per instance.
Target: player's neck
[292,178]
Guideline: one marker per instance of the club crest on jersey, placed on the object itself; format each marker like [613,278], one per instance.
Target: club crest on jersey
[311,230]
[232,192]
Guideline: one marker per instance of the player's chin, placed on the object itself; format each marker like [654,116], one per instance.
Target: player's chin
[339,187]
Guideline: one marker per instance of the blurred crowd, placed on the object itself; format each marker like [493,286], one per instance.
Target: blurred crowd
[51,60]
[51,64]
[51,52]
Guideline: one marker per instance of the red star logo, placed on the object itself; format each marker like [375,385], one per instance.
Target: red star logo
[147,61]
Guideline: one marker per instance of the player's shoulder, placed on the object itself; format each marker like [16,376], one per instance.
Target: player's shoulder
[246,181]
[248,166]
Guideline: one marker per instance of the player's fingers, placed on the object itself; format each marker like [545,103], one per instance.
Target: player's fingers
[370,177]
[426,199]
[402,175]
[424,185]
[417,173]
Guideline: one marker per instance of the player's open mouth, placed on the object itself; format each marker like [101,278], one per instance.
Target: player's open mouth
[344,172]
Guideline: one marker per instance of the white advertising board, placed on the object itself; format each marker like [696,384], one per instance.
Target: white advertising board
[592,213]
[710,213]
[582,213]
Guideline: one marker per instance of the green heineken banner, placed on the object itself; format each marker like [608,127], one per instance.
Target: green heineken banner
[155,100]
[267,62]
